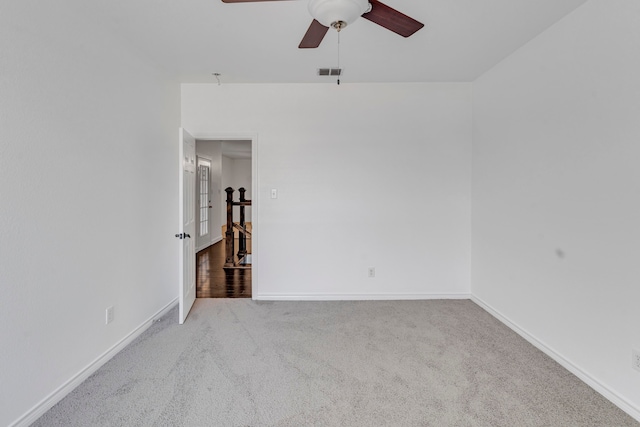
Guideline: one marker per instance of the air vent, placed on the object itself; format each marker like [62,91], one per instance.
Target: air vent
[329,71]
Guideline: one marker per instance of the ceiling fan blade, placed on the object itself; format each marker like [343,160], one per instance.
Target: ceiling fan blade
[391,19]
[245,1]
[313,36]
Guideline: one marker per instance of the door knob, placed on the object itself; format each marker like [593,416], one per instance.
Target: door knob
[179,236]
[187,235]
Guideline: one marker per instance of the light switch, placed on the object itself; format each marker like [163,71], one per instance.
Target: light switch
[274,193]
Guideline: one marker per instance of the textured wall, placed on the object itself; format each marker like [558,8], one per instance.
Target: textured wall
[88,196]
[367,175]
[555,191]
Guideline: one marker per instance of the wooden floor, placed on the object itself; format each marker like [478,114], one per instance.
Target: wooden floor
[212,281]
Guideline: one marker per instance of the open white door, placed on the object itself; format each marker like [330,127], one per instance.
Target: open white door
[187,235]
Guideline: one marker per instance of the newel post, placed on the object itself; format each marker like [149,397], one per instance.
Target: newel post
[242,250]
[229,244]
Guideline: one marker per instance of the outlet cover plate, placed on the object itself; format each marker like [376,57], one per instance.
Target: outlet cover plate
[108,315]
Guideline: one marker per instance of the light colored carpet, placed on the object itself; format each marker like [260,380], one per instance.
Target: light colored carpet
[238,362]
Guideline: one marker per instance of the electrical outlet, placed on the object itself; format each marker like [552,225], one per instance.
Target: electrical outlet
[372,272]
[108,315]
[635,360]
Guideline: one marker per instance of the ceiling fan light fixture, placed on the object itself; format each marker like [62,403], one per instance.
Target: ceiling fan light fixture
[337,13]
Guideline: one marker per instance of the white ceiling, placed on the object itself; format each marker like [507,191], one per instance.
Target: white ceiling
[257,42]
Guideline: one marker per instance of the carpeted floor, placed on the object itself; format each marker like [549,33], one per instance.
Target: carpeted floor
[239,362]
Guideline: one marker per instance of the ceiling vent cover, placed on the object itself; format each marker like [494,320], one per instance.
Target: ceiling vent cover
[329,71]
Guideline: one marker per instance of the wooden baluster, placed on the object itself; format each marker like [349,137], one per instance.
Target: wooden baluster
[229,243]
[242,249]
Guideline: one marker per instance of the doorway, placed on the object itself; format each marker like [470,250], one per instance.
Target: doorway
[225,163]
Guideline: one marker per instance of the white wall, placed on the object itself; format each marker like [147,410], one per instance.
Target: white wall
[237,174]
[556,192]
[88,196]
[368,175]
[212,150]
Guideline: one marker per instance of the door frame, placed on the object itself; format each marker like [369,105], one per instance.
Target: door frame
[255,197]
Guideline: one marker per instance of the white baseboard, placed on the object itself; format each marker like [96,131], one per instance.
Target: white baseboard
[356,297]
[211,243]
[608,394]
[48,402]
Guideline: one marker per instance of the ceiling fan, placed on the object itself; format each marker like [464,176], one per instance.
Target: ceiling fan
[340,13]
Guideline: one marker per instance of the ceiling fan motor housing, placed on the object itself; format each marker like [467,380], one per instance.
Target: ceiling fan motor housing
[327,12]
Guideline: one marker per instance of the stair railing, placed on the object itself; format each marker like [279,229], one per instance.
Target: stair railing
[230,261]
